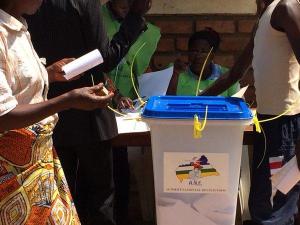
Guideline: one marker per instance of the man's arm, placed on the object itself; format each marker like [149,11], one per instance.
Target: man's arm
[242,64]
[179,67]
[27,114]
[286,18]
[96,37]
[240,67]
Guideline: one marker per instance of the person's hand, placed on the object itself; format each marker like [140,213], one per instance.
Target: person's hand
[124,103]
[140,6]
[88,98]
[109,84]
[55,72]
[179,66]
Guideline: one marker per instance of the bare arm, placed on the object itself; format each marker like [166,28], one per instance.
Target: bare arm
[286,18]
[179,66]
[240,67]
[172,88]
[25,115]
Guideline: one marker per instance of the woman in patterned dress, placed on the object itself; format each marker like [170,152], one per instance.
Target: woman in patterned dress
[33,189]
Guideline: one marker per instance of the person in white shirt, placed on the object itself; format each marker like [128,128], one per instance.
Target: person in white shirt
[276,58]
[33,188]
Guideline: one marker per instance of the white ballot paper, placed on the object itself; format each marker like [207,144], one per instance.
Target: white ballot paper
[287,177]
[155,83]
[131,123]
[82,64]
[241,92]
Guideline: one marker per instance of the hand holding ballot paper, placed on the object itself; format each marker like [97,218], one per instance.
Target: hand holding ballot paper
[55,72]
[69,68]
[82,64]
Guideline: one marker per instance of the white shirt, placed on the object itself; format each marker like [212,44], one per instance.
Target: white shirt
[23,78]
[276,69]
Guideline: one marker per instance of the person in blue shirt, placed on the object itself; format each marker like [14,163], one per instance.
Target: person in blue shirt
[185,77]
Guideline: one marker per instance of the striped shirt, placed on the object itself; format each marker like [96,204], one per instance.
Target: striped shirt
[23,78]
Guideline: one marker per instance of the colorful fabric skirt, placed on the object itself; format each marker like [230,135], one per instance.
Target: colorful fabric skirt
[33,188]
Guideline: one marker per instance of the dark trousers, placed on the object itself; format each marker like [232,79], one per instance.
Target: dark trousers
[88,171]
[281,138]
[121,179]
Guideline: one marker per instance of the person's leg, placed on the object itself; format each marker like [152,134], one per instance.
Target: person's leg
[121,180]
[281,136]
[68,159]
[297,217]
[95,184]
[260,191]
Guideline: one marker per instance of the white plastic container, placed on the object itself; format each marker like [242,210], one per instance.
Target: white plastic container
[196,180]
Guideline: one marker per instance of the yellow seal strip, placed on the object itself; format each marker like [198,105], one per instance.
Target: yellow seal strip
[131,74]
[197,125]
[202,70]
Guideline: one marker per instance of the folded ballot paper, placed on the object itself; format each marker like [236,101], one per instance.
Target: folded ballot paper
[286,178]
[82,64]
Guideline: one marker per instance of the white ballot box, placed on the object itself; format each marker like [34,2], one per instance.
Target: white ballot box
[196,179]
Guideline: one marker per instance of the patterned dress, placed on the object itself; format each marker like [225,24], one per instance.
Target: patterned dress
[33,188]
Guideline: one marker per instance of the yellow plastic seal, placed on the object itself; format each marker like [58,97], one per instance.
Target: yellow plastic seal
[256,124]
[197,128]
[197,125]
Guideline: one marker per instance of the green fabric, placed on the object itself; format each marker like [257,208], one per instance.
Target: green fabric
[187,84]
[121,74]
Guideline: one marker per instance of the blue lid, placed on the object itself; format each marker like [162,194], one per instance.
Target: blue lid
[185,107]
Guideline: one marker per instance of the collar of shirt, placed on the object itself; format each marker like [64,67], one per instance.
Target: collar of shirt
[193,75]
[215,72]
[11,22]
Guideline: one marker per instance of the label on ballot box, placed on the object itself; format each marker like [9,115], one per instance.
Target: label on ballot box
[195,172]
